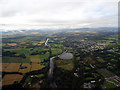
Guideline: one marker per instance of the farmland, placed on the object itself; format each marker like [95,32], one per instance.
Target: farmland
[25,70]
[65,64]
[92,60]
[23,56]
[15,60]
[56,51]
[4,66]
[18,68]
[35,60]
[12,67]
[109,85]
[36,67]
[105,73]
[11,79]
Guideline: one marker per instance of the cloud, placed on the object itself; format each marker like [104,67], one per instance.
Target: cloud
[56,14]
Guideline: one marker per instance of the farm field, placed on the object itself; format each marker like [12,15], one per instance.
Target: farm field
[15,60]
[4,66]
[39,58]
[11,78]
[90,60]
[94,59]
[56,51]
[105,73]
[15,67]
[12,44]
[65,64]
[12,67]
[109,85]
[101,60]
[35,60]
[36,67]
[25,70]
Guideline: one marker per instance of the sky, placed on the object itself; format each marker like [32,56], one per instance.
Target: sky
[57,14]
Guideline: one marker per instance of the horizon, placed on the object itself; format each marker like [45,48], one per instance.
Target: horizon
[62,29]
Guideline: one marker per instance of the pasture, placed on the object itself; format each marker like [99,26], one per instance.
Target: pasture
[65,64]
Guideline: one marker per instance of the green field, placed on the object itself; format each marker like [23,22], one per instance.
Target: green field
[109,85]
[105,73]
[65,64]
[56,51]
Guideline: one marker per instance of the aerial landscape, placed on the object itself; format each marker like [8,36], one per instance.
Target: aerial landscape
[29,59]
[64,52]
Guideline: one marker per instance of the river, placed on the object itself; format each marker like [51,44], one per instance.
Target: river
[50,73]
[51,69]
[46,42]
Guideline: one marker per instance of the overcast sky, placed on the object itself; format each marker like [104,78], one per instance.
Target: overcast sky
[57,14]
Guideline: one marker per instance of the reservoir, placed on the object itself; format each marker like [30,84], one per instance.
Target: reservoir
[66,56]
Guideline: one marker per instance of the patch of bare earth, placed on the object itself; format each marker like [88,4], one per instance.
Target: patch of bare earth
[11,44]
[9,79]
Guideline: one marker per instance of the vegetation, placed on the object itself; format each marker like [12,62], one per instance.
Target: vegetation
[109,85]
[94,64]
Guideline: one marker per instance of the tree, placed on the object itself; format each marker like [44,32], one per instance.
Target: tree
[22,55]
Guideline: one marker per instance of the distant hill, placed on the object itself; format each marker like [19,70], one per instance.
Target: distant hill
[51,30]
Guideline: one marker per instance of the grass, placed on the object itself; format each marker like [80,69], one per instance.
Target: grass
[115,81]
[39,49]
[89,60]
[77,58]
[15,60]
[27,54]
[28,79]
[65,64]
[105,73]
[89,78]
[12,50]
[68,67]
[40,75]
[106,41]
[28,39]
[21,51]
[56,51]
[100,60]
[27,51]
[109,85]
[42,57]
[35,56]
[45,56]
[87,68]
[113,60]
[58,45]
